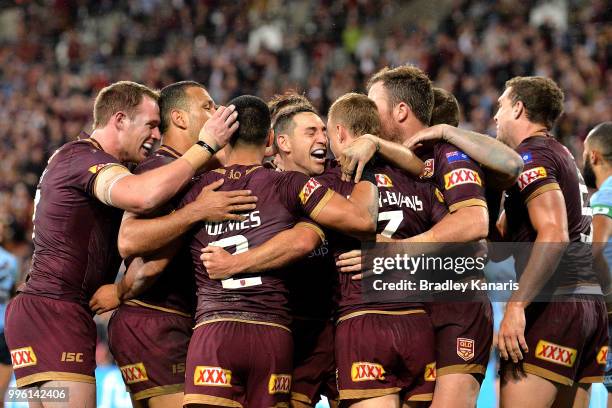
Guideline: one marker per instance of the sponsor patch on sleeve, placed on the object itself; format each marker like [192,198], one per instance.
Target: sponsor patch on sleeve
[602,355]
[97,167]
[382,180]
[529,176]
[430,372]
[279,384]
[134,373]
[456,156]
[461,176]
[439,196]
[555,353]
[23,357]
[310,187]
[364,371]
[213,376]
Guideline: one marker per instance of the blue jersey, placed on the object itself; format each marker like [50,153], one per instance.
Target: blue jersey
[8,275]
[601,202]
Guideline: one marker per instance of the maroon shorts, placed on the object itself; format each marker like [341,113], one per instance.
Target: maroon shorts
[382,354]
[314,367]
[150,347]
[49,340]
[464,335]
[235,363]
[567,341]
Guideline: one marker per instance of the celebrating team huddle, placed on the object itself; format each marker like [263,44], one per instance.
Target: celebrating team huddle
[242,243]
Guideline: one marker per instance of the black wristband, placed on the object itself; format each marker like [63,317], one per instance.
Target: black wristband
[207,147]
[368,172]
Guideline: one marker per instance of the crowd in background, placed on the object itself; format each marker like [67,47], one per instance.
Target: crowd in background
[56,54]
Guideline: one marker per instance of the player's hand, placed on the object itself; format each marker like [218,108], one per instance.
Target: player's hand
[427,136]
[354,158]
[350,262]
[511,336]
[105,299]
[217,130]
[219,263]
[212,205]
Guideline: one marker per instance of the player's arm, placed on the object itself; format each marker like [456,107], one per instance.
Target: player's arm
[272,254]
[140,235]
[502,165]
[116,186]
[362,149]
[548,216]
[602,231]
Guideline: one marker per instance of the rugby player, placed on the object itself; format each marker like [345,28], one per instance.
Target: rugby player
[249,309]
[154,371]
[9,273]
[598,174]
[76,220]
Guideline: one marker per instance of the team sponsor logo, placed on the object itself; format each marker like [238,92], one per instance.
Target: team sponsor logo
[134,373]
[529,176]
[72,357]
[428,171]
[456,156]
[526,157]
[439,195]
[97,167]
[382,180]
[555,353]
[23,357]
[465,348]
[364,371]
[279,384]
[310,187]
[602,356]
[430,372]
[461,176]
[601,210]
[215,376]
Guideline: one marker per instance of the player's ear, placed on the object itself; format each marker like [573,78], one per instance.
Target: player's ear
[179,118]
[402,112]
[594,157]
[518,109]
[283,142]
[118,120]
[341,133]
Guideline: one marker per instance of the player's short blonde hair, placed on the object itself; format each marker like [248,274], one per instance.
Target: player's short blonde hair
[120,96]
[357,113]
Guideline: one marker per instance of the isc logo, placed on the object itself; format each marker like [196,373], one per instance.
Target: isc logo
[364,371]
[382,180]
[134,373]
[555,354]
[279,384]
[215,376]
[72,357]
[23,357]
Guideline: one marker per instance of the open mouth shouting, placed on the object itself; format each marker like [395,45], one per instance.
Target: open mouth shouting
[319,154]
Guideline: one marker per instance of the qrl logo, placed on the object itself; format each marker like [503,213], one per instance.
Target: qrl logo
[529,176]
[23,357]
[461,176]
[382,180]
[428,170]
[279,384]
[215,376]
[602,356]
[134,373]
[430,372]
[309,188]
[555,353]
[465,348]
[363,371]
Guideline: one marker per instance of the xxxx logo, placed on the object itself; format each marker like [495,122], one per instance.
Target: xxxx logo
[602,356]
[529,176]
[555,354]
[134,373]
[363,371]
[215,376]
[308,189]
[279,384]
[430,372]
[461,176]
[23,357]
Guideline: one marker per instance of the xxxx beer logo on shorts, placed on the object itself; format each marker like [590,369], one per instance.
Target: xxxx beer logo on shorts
[215,376]
[23,357]
[97,167]
[279,384]
[134,373]
[461,176]
[430,372]
[382,180]
[529,176]
[364,371]
[555,353]
[428,170]
[310,187]
[602,355]
[465,348]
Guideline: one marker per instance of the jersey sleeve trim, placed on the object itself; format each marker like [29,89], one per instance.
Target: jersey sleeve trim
[322,203]
[313,227]
[106,179]
[542,190]
[472,202]
[602,209]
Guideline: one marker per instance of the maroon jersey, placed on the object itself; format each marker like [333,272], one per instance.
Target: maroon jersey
[175,287]
[407,207]
[75,235]
[458,177]
[550,166]
[283,199]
